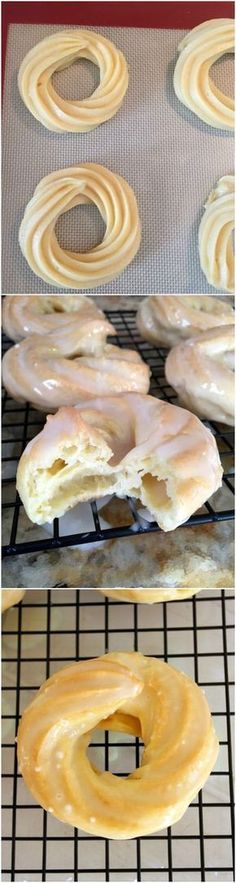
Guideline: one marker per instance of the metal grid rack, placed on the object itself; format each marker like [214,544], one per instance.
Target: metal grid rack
[22,422]
[50,629]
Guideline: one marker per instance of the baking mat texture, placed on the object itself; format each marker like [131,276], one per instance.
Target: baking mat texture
[170,158]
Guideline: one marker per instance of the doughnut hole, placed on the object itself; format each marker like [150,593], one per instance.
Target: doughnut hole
[77,81]
[222,74]
[80,229]
[124,753]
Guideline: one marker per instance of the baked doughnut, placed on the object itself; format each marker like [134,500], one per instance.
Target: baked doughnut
[59,51]
[192,82]
[201,370]
[38,314]
[55,195]
[215,235]
[132,445]
[164,320]
[48,371]
[149,596]
[9,597]
[134,694]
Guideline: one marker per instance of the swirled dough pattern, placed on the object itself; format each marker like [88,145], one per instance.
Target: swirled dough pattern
[215,235]
[201,370]
[48,371]
[9,597]
[192,83]
[149,596]
[57,52]
[134,694]
[165,320]
[129,445]
[55,195]
[38,314]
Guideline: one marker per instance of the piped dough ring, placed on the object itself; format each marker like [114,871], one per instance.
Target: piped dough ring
[130,445]
[9,597]
[38,314]
[55,195]
[201,370]
[57,52]
[134,694]
[149,596]
[192,83]
[165,320]
[49,371]
[215,238]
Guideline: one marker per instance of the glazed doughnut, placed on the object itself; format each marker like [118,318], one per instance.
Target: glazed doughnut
[164,320]
[38,314]
[9,597]
[130,693]
[48,371]
[132,445]
[55,195]
[192,82]
[215,235]
[57,52]
[149,596]
[201,370]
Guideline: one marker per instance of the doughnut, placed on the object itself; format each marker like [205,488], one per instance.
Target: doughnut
[192,83]
[132,445]
[9,597]
[201,370]
[133,694]
[56,194]
[165,320]
[149,596]
[215,235]
[38,314]
[49,371]
[57,52]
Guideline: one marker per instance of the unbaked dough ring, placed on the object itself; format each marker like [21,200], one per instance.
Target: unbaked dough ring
[38,314]
[215,235]
[55,195]
[149,596]
[192,83]
[134,694]
[9,597]
[57,52]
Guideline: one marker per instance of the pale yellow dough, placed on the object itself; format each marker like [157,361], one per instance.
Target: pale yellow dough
[149,596]
[201,370]
[192,82]
[130,693]
[59,51]
[129,445]
[9,597]
[38,314]
[215,238]
[55,195]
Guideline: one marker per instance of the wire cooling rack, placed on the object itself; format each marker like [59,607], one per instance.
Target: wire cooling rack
[21,423]
[50,629]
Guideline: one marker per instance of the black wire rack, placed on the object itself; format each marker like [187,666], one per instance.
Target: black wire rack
[22,422]
[50,629]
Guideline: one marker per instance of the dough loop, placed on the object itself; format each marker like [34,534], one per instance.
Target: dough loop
[164,319]
[215,235]
[38,314]
[201,370]
[192,82]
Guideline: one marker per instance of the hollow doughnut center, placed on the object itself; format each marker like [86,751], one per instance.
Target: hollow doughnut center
[115,750]
[78,81]
[222,74]
[80,229]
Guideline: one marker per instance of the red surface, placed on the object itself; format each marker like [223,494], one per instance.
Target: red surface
[124,14]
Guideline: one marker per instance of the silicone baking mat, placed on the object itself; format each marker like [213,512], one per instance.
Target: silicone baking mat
[50,630]
[170,158]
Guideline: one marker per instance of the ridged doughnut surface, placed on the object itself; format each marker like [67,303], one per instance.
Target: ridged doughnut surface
[215,235]
[55,195]
[9,597]
[57,52]
[133,445]
[201,370]
[49,371]
[149,596]
[192,82]
[165,320]
[38,314]
[133,694]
